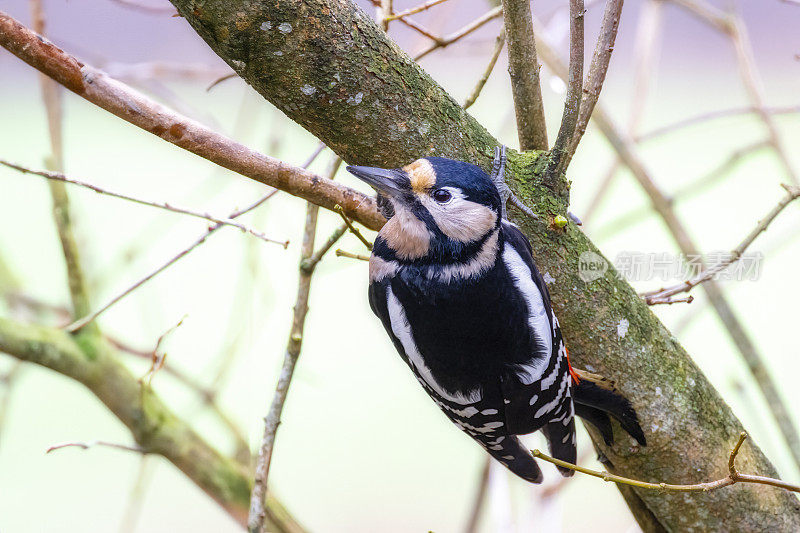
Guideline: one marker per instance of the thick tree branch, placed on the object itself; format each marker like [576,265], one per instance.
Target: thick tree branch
[524,67]
[153,426]
[132,106]
[394,114]
[626,151]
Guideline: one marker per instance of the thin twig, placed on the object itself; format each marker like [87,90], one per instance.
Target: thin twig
[133,509]
[255,523]
[58,176]
[443,42]
[223,78]
[696,186]
[414,10]
[90,444]
[653,300]
[316,257]
[626,151]
[480,497]
[572,101]
[78,324]
[646,49]
[146,8]
[157,360]
[732,478]
[62,212]
[382,14]
[709,116]
[663,295]
[130,105]
[349,255]
[733,26]
[7,382]
[207,394]
[476,91]
[597,73]
[354,230]
[523,69]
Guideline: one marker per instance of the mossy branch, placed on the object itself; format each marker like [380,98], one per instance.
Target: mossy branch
[154,427]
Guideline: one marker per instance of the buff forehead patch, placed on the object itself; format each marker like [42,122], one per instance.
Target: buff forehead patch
[421,175]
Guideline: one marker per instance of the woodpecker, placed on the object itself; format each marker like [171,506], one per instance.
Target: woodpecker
[456,287]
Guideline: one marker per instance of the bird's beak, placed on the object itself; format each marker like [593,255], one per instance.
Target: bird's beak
[386,182]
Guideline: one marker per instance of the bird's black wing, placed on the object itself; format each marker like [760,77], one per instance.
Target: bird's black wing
[546,403]
[483,420]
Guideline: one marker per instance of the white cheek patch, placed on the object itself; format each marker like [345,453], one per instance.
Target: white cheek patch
[460,219]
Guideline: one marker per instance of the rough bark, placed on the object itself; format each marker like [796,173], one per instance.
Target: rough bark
[329,67]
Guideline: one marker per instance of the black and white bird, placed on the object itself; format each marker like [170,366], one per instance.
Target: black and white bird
[457,290]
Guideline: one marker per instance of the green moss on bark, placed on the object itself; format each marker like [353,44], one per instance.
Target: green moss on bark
[338,75]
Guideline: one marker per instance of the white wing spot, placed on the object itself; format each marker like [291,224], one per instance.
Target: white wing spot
[489,412]
[534,399]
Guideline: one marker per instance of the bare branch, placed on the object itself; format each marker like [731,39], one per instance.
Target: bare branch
[92,444]
[733,26]
[349,255]
[354,230]
[687,191]
[146,8]
[572,102]
[712,115]
[597,73]
[78,324]
[663,295]
[480,496]
[62,213]
[732,478]
[523,69]
[316,257]
[272,420]
[157,360]
[443,42]
[646,47]
[414,10]
[626,151]
[476,91]
[132,106]
[58,176]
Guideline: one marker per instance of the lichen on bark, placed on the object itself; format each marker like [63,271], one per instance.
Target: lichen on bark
[332,70]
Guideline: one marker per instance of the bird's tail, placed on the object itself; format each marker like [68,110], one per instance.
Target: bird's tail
[596,398]
[560,435]
[510,452]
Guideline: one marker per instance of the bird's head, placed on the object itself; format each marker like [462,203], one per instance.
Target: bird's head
[437,208]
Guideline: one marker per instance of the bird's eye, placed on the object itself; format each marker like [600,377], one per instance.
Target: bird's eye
[442,196]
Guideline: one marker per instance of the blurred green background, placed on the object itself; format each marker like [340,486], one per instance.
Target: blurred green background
[361,447]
